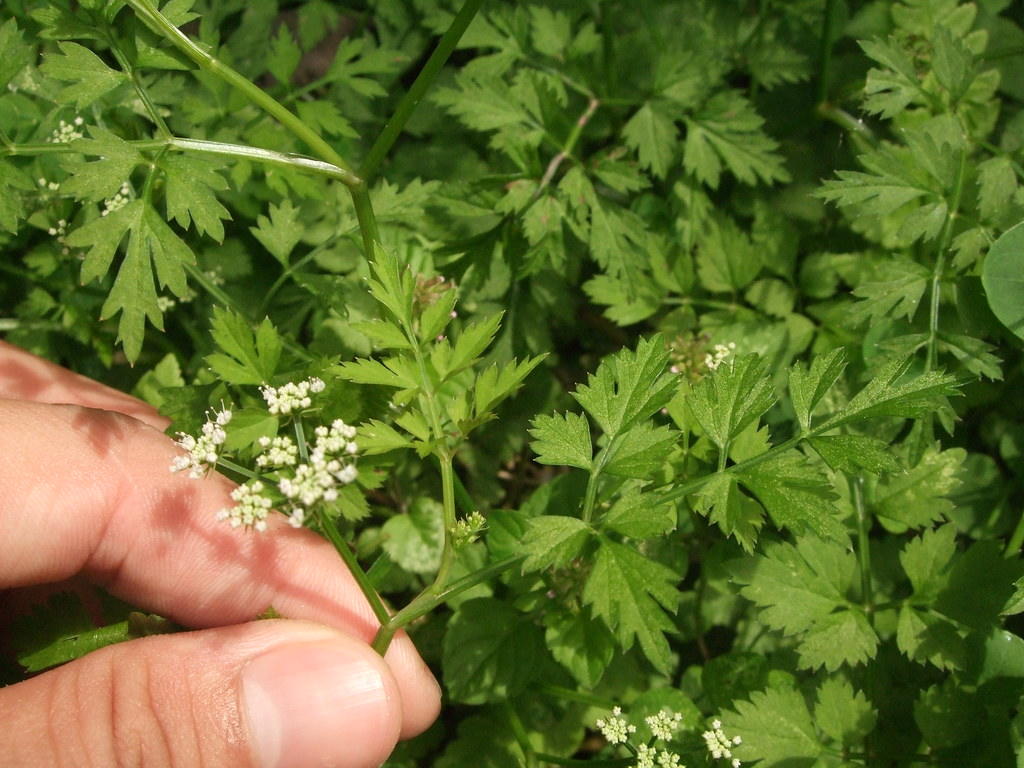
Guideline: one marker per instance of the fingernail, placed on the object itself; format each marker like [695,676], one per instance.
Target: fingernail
[319,704]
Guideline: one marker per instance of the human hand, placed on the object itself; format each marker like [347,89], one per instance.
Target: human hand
[87,491]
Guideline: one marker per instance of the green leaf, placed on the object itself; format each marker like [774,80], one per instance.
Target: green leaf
[726,133]
[925,560]
[727,259]
[553,540]
[384,334]
[281,232]
[284,55]
[245,357]
[1003,278]
[842,714]
[17,55]
[997,184]
[926,637]
[891,90]
[840,638]
[150,243]
[892,393]
[775,727]
[640,516]
[640,452]
[473,340]
[981,585]
[796,494]
[562,439]
[952,63]
[550,31]
[917,497]
[632,593]
[894,289]
[12,181]
[735,513]
[389,372]
[192,184]
[855,453]
[653,135]
[731,397]
[582,645]
[494,384]
[491,652]
[90,78]
[102,178]
[807,387]
[628,386]
[377,437]
[324,117]
[415,539]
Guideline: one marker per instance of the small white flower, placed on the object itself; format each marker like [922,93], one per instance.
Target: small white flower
[615,729]
[719,745]
[202,452]
[645,756]
[291,396]
[65,133]
[664,724]
[251,507]
[278,452]
[668,759]
[719,355]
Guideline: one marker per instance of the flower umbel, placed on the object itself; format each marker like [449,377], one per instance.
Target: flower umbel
[203,451]
[615,729]
[291,396]
[664,724]
[252,507]
[719,745]
[718,355]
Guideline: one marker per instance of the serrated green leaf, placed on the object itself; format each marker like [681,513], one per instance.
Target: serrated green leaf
[1003,278]
[494,384]
[384,334]
[247,426]
[726,134]
[640,515]
[628,386]
[890,90]
[101,178]
[17,54]
[279,233]
[582,645]
[727,259]
[640,452]
[926,558]
[731,397]
[952,63]
[562,439]
[12,182]
[894,289]
[632,593]
[653,136]
[151,243]
[981,584]
[415,539]
[550,30]
[997,184]
[553,540]
[926,637]
[840,638]
[917,497]
[796,494]
[775,727]
[245,357]
[190,193]
[284,55]
[807,387]
[491,652]
[842,714]
[435,318]
[324,116]
[89,76]
[735,513]
[854,453]
[389,372]
[892,393]
[377,437]
[473,340]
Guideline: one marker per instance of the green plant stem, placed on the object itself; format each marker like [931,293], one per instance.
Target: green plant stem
[15,324]
[1016,539]
[394,126]
[286,160]
[237,468]
[424,603]
[863,547]
[940,264]
[825,51]
[143,94]
[163,27]
[349,557]
[521,736]
[568,147]
[212,288]
[571,694]
[852,125]
[366,218]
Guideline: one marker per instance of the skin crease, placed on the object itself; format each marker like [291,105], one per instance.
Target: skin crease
[92,465]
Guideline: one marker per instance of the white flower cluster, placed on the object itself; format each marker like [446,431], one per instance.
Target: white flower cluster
[60,230]
[202,452]
[649,757]
[330,465]
[277,452]
[718,355]
[118,201]
[65,133]
[291,396]
[468,528]
[165,303]
[664,724]
[719,745]
[47,186]
[615,729]
[251,507]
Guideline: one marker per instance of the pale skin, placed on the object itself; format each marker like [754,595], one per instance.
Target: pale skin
[85,492]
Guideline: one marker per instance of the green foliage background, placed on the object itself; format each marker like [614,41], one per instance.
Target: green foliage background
[816,540]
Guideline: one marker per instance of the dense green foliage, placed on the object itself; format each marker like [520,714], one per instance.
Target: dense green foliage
[712,308]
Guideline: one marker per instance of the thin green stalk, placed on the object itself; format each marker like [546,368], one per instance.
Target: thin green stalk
[300,441]
[1016,540]
[856,127]
[366,218]
[568,147]
[237,468]
[863,547]
[393,128]
[212,288]
[15,324]
[380,611]
[825,51]
[521,736]
[940,263]
[140,89]
[163,27]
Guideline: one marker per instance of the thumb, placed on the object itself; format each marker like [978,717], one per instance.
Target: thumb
[269,694]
